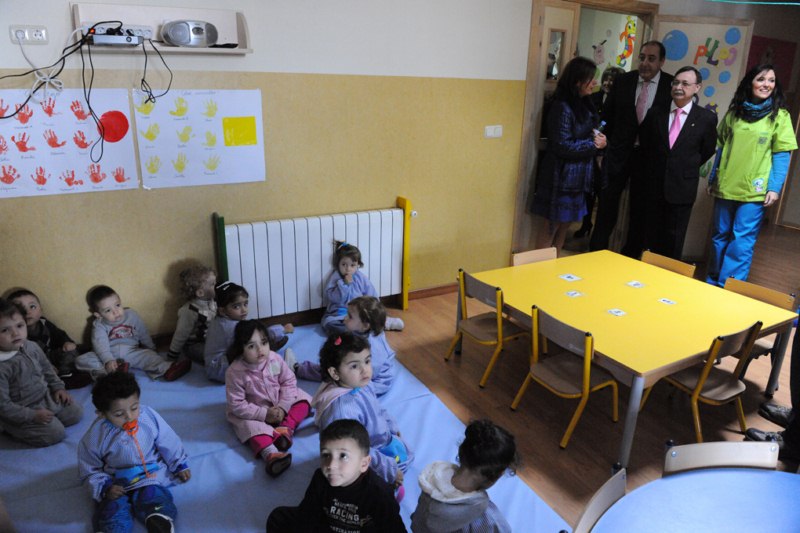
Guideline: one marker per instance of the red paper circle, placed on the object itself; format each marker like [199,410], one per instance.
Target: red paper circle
[114,126]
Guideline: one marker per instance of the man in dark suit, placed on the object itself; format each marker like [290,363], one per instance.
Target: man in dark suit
[674,152]
[632,96]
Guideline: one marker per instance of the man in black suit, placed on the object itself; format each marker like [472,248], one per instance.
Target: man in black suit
[673,154]
[632,96]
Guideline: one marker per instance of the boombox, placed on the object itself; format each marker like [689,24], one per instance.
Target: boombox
[195,33]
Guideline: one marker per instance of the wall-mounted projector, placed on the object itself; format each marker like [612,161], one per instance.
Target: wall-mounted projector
[192,33]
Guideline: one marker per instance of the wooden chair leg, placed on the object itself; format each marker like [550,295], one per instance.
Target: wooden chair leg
[646,395]
[453,346]
[740,413]
[696,416]
[522,389]
[490,367]
[615,402]
[573,422]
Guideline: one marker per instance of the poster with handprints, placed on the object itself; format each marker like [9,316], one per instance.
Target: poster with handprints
[54,145]
[200,137]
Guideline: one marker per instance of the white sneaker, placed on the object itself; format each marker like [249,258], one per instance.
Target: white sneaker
[394,324]
[290,359]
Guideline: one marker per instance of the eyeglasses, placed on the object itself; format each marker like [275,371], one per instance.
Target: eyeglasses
[681,83]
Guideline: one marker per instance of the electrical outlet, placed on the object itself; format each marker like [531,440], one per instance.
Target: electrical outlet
[28,34]
[132,30]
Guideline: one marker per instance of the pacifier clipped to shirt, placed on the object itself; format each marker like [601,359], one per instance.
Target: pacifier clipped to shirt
[131,427]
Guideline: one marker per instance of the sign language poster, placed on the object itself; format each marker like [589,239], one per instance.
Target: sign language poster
[200,137]
[47,147]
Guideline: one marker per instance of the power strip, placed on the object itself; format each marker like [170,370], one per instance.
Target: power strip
[115,40]
[145,32]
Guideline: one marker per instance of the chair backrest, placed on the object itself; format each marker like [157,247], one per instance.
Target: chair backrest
[474,288]
[533,256]
[725,454]
[764,294]
[739,344]
[606,496]
[577,341]
[668,263]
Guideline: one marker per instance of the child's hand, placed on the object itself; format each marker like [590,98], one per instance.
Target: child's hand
[43,416]
[184,475]
[62,397]
[275,415]
[114,492]
[399,479]
[69,346]
[111,366]
[348,278]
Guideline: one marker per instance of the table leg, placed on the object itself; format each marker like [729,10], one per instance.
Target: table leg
[778,353]
[637,387]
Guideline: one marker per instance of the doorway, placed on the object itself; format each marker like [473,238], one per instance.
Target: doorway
[561,30]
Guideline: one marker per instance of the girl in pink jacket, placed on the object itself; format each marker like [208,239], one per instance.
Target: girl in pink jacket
[264,403]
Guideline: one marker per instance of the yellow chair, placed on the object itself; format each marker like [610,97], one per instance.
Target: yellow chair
[533,256]
[764,345]
[602,500]
[668,263]
[564,374]
[712,385]
[487,329]
[724,454]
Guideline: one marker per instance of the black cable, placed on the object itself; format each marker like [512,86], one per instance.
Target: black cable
[145,86]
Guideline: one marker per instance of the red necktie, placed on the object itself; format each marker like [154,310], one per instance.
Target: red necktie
[675,128]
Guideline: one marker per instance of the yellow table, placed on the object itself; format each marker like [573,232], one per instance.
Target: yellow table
[668,323]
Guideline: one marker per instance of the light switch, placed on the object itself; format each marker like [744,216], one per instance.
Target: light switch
[493,132]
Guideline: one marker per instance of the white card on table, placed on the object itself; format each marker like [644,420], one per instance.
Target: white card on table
[574,294]
[666,301]
[617,312]
[635,284]
[569,277]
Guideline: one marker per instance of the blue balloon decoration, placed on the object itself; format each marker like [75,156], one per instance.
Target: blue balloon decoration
[724,76]
[705,73]
[733,35]
[709,92]
[677,44]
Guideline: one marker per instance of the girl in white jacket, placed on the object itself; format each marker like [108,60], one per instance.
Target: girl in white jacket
[454,497]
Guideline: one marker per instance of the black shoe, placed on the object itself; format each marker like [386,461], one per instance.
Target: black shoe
[777,414]
[785,453]
[159,523]
[280,343]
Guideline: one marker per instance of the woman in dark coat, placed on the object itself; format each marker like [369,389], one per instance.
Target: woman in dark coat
[567,171]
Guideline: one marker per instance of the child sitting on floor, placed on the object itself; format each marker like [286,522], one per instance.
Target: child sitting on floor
[197,285]
[59,348]
[366,316]
[128,458]
[345,283]
[232,304]
[120,339]
[264,403]
[345,393]
[344,494]
[454,497]
[34,406]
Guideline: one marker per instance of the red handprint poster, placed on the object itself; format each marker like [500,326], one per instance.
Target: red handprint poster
[52,145]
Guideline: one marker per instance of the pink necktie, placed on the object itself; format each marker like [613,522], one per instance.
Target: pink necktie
[675,128]
[641,102]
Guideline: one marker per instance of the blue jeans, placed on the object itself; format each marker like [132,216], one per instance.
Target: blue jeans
[116,516]
[736,226]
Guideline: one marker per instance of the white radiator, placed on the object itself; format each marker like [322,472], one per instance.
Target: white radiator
[284,264]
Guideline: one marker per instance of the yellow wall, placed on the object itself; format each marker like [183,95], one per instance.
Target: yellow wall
[333,144]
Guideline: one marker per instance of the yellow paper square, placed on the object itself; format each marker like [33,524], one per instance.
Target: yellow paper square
[239,131]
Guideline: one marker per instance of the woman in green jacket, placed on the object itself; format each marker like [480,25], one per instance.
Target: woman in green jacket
[753,144]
